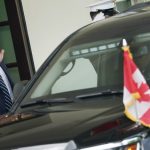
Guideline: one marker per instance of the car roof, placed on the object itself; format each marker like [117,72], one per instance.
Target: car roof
[121,24]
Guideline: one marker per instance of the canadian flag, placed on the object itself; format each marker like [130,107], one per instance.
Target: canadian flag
[136,94]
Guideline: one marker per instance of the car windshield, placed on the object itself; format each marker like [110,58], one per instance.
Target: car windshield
[92,65]
[92,60]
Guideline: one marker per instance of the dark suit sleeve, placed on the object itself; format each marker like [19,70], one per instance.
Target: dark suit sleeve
[3,66]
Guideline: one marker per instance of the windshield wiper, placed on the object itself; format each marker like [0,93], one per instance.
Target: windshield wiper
[56,101]
[47,101]
[98,94]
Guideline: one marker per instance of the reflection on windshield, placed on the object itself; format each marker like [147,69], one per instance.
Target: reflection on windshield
[93,65]
[71,81]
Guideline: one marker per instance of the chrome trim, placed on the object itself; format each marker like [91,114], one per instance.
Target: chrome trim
[110,146]
[71,145]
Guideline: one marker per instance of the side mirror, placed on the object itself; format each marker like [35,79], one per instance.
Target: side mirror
[18,87]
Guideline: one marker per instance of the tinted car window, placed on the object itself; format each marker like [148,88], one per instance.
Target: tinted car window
[92,58]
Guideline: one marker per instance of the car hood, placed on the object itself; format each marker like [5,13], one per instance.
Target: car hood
[87,123]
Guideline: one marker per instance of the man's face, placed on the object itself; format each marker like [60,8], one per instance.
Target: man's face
[1,55]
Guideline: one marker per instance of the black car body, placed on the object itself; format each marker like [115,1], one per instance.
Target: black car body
[76,95]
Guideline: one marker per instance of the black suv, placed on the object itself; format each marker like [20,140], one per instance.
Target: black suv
[74,101]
